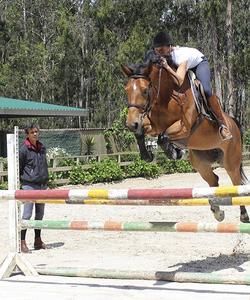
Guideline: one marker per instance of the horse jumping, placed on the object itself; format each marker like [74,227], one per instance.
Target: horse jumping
[158,106]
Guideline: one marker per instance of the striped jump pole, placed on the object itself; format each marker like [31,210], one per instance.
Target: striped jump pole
[213,278]
[224,201]
[170,193]
[138,226]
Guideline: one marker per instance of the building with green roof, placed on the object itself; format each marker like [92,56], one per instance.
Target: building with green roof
[15,108]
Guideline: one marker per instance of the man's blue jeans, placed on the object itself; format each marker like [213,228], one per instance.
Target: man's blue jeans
[28,208]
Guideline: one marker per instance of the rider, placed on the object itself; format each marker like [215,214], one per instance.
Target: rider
[186,58]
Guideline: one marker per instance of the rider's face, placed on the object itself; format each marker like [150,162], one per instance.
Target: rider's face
[163,51]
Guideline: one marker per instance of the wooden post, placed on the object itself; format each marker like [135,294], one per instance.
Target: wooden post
[55,162]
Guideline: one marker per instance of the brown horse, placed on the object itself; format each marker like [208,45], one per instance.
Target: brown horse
[158,105]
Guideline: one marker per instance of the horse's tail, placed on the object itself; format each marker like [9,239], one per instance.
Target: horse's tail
[244,179]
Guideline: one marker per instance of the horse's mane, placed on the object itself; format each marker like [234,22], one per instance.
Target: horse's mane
[150,58]
[153,58]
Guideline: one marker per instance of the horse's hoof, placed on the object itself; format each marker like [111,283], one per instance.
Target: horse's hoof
[219,215]
[149,157]
[244,218]
[180,153]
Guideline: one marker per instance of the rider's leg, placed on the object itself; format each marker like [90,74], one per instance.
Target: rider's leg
[203,74]
[215,106]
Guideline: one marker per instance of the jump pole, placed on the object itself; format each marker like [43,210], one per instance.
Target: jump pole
[130,194]
[147,275]
[137,226]
[224,201]
[14,258]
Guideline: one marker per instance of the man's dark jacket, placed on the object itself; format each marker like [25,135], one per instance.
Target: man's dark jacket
[33,164]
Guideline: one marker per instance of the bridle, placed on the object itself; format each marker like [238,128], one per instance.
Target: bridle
[148,105]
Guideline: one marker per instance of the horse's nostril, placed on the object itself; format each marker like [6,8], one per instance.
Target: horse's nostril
[132,126]
[136,125]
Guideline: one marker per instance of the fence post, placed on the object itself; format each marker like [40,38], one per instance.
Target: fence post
[55,162]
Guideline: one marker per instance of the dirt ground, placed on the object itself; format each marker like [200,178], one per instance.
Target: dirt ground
[192,252]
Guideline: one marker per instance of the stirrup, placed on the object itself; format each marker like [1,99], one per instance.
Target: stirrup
[228,137]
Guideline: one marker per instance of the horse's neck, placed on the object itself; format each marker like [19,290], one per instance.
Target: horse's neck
[176,103]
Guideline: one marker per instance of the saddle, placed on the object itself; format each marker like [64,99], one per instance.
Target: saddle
[200,99]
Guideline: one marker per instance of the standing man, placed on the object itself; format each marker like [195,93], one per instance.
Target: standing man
[33,176]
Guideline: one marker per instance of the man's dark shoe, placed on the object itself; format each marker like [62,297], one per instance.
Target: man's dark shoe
[24,247]
[39,244]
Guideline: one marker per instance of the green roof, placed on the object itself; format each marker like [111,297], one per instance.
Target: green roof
[22,108]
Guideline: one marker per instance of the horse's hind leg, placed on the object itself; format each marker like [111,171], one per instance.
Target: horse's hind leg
[235,172]
[204,168]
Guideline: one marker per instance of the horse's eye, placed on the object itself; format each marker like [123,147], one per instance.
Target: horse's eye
[145,93]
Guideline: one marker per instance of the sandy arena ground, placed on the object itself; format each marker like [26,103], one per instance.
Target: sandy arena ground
[192,252]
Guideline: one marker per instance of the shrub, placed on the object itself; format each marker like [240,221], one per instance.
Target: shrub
[130,156]
[52,178]
[78,175]
[4,161]
[168,166]
[122,136]
[105,171]
[183,166]
[55,152]
[88,145]
[65,160]
[173,166]
[4,185]
[141,168]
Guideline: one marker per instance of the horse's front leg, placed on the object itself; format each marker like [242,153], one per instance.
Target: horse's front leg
[178,131]
[144,152]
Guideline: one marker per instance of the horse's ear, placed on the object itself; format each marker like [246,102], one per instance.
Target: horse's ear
[147,69]
[126,70]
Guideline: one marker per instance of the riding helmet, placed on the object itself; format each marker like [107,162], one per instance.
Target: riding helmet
[161,39]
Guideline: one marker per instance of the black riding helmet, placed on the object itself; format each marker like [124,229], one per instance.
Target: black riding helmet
[162,39]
